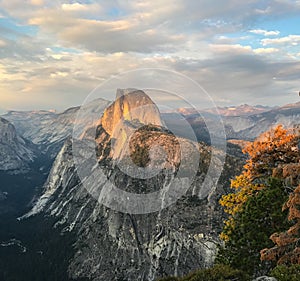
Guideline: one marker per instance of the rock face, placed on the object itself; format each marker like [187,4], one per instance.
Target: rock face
[112,245]
[15,152]
[131,109]
[130,105]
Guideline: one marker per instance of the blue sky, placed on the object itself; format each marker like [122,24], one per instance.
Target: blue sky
[53,53]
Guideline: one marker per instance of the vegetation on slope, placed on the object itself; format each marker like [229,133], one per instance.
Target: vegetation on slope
[216,273]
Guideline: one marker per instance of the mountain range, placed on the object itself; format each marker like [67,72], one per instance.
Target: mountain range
[246,123]
[92,233]
[240,110]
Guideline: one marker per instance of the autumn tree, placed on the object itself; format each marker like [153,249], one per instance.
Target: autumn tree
[254,208]
[287,243]
[276,147]
[268,156]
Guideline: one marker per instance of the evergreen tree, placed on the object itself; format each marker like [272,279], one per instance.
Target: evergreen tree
[260,216]
[287,248]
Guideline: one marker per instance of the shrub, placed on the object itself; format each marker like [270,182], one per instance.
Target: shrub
[285,273]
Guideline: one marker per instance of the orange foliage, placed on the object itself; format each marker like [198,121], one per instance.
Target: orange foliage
[274,153]
[275,147]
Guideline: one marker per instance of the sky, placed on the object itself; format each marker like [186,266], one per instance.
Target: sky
[54,53]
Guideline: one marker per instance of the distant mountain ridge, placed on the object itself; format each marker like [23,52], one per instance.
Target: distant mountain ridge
[250,127]
[48,129]
[238,110]
[242,122]
[242,110]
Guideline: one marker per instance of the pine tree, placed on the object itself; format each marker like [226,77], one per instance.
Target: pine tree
[259,217]
[287,248]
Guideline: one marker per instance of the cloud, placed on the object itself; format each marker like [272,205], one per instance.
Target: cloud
[290,39]
[231,74]
[140,26]
[239,74]
[230,48]
[77,45]
[265,50]
[265,32]
[277,8]
[106,36]
[74,7]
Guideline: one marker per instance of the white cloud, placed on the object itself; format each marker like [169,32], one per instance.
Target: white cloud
[265,50]
[290,39]
[73,7]
[265,32]
[106,36]
[230,48]
[81,8]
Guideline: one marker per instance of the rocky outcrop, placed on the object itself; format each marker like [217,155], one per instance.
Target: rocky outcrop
[130,105]
[15,152]
[113,245]
[131,110]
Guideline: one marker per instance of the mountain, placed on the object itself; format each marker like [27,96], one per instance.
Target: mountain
[250,127]
[82,195]
[80,226]
[130,105]
[241,110]
[16,153]
[47,129]
[131,109]
[241,122]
